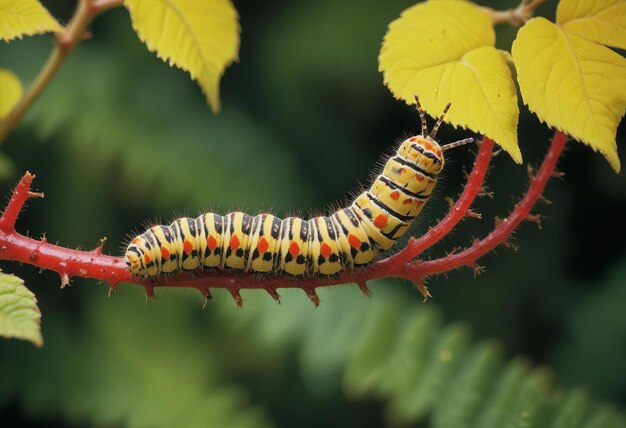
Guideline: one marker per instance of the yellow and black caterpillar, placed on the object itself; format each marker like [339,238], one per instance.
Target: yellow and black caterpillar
[350,237]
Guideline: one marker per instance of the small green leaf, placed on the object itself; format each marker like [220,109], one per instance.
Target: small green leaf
[19,315]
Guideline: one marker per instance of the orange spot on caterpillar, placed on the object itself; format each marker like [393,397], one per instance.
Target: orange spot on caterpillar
[381,221]
[187,247]
[146,258]
[234,243]
[135,241]
[407,201]
[211,242]
[419,177]
[165,253]
[294,249]
[413,139]
[395,195]
[325,250]
[354,241]
[263,245]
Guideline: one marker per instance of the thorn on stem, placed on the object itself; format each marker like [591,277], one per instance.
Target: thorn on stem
[484,192]
[535,218]
[98,249]
[272,292]
[312,294]
[452,251]
[473,214]
[237,298]
[364,288]
[149,291]
[419,284]
[530,170]
[557,174]
[65,280]
[545,200]
[35,194]
[206,293]
[497,221]
[113,288]
[507,243]
[478,269]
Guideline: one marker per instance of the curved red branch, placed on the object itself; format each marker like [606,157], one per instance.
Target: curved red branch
[520,213]
[94,264]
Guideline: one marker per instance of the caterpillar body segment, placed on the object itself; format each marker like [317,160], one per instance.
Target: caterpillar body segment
[326,245]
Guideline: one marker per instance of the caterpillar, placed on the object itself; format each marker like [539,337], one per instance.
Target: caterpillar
[350,237]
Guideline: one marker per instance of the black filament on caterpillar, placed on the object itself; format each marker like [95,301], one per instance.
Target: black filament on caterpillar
[326,245]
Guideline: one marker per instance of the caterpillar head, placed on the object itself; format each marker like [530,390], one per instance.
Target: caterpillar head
[424,150]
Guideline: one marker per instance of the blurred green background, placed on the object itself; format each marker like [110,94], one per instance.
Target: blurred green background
[120,138]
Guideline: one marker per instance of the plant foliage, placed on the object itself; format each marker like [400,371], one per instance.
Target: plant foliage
[19,314]
[24,18]
[570,78]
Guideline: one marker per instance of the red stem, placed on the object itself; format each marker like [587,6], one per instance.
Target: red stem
[94,264]
[65,261]
[520,213]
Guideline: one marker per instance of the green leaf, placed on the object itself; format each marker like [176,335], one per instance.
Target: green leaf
[24,18]
[19,315]
[131,364]
[403,354]
[201,37]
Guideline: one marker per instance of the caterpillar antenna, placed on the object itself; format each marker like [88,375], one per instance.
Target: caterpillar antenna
[457,144]
[433,132]
[422,116]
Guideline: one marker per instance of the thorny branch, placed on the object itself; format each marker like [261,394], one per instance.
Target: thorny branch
[94,264]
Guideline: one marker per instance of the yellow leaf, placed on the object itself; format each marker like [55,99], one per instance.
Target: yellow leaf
[200,37]
[571,82]
[444,51]
[19,315]
[601,21]
[24,18]
[11,90]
